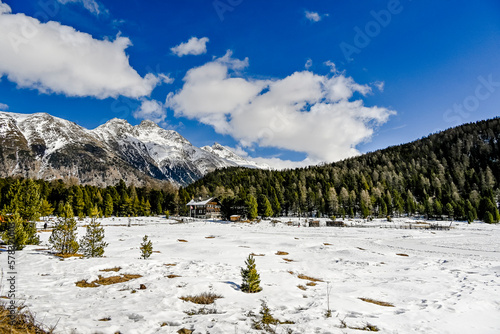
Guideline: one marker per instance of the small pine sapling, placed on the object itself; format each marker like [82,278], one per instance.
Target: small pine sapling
[93,242]
[63,237]
[251,279]
[146,247]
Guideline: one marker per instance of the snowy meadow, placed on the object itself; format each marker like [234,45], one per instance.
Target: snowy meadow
[393,280]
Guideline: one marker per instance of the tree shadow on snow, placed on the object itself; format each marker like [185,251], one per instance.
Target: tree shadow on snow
[235,286]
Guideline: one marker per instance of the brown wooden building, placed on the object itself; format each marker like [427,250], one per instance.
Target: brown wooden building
[205,209]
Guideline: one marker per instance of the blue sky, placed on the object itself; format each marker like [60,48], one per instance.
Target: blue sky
[286,82]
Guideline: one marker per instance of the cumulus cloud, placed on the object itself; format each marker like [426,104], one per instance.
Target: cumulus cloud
[195,46]
[314,16]
[55,58]
[151,110]
[303,112]
[91,5]
[4,8]
[4,107]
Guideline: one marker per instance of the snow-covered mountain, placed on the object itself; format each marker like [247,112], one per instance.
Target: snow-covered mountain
[43,146]
[226,154]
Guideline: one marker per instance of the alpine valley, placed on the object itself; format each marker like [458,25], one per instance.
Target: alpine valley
[46,147]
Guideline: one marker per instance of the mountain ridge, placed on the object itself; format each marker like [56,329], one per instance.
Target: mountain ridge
[43,146]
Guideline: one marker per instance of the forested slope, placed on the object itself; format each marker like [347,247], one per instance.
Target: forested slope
[455,172]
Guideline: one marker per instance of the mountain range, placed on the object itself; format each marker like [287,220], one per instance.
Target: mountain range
[46,147]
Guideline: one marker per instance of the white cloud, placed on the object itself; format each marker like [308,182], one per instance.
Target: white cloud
[4,8]
[194,46]
[151,110]
[332,66]
[91,5]
[308,64]
[380,85]
[4,107]
[55,58]
[303,112]
[165,78]
[314,16]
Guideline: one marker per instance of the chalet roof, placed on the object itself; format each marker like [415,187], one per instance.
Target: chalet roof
[201,202]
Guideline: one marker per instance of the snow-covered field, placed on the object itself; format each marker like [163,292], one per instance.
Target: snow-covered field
[449,282]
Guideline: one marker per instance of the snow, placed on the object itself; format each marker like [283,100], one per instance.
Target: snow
[448,283]
[231,157]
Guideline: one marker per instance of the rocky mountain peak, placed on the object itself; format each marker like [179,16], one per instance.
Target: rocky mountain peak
[44,146]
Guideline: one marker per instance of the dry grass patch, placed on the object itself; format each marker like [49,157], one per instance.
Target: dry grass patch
[253,254]
[21,321]
[204,298]
[105,319]
[309,278]
[327,244]
[376,302]
[182,240]
[290,272]
[281,253]
[288,260]
[210,237]
[367,327]
[301,287]
[170,264]
[172,276]
[106,281]
[311,284]
[65,256]
[401,254]
[360,248]
[111,269]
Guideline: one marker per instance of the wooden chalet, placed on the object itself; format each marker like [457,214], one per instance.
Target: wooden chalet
[204,208]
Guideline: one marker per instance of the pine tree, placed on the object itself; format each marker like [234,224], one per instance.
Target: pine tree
[267,210]
[15,235]
[146,247]
[24,197]
[45,208]
[252,207]
[79,202]
[488,218]
[93,243]
[108,205]
[251,279]
[276,207]
[32,233]
[63,237]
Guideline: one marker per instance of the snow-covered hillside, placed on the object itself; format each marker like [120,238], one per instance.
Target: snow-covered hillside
[437,281]
[43,146]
